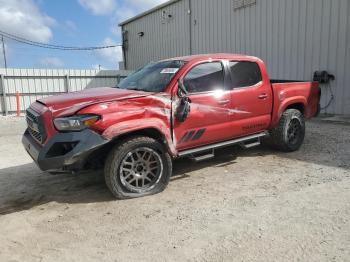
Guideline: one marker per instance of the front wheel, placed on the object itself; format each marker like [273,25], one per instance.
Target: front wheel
[289,135]
[137,167]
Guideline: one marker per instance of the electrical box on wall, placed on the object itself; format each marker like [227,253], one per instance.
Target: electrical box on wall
[238,4]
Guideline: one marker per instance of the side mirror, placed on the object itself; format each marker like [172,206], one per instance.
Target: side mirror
[183,110]
[184,107]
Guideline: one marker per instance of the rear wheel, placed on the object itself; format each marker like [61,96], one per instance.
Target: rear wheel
[289,135]
[137,167]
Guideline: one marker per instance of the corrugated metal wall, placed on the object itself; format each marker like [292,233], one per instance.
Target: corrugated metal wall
[163,36]
[293,37]
[33,84]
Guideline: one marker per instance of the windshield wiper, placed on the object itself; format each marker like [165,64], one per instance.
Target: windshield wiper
[136,89]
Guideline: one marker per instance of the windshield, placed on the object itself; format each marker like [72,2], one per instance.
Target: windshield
[154,77]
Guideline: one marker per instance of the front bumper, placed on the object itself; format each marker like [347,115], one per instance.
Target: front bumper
[64,151]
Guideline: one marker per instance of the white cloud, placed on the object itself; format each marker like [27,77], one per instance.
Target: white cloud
[125,9]
[23,18]
[121,14]
[131,8]
[144,4]
[70,25]
[125,13]
[110,55]
[99,7]
[52,62]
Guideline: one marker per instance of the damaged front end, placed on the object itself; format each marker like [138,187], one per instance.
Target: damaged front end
[52,150]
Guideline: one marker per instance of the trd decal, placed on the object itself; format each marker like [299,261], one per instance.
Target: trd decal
[188,136]
[199,134]
[192,135]
[183,138]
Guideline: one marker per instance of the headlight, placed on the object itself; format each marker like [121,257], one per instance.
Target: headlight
[75,123]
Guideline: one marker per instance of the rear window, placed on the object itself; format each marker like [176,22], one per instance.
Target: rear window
[244,74]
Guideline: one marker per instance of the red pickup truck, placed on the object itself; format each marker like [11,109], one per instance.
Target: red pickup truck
[185,106]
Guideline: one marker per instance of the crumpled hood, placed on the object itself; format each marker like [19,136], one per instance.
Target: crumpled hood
[70,103]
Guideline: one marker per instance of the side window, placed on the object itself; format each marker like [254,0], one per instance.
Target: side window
[244,74]
[205,77]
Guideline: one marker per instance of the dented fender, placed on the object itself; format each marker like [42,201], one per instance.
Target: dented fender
[127,127]
[132,115]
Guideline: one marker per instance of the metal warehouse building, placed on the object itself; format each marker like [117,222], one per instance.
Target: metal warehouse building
[294,37]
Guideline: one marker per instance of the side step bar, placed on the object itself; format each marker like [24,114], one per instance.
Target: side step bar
[205,156]
[251,144]
[221,144]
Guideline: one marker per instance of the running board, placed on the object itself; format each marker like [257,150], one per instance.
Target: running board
[250,144]
[205,156]
[221,144]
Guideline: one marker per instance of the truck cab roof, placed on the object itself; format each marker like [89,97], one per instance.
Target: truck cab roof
[199,57]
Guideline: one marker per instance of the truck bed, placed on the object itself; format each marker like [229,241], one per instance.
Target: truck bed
[307,94]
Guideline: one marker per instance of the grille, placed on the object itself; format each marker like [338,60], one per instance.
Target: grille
[36,135]
[35,126]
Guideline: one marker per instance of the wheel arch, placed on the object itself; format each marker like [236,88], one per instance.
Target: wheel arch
[98,157]
[151,132]
[152,127]
[298,106]
[298,103]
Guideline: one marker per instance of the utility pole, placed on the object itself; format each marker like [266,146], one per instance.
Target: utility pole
[4,51]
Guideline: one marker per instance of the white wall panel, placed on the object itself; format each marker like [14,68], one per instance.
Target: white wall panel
[33,84]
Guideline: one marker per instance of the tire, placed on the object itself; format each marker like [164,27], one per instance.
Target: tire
[289,135]
[137,167]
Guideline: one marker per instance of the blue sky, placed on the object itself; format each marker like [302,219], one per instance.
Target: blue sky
[66,22]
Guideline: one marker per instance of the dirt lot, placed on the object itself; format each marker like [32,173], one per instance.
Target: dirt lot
[255,205]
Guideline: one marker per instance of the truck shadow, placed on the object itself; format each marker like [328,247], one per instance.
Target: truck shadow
[223,157]
[25,187]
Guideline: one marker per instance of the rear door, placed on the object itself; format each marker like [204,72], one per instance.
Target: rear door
[251,98]
[209,119]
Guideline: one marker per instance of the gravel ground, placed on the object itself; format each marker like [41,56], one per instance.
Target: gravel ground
[254,205]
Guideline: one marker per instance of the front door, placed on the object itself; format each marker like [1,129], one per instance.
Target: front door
[209,119]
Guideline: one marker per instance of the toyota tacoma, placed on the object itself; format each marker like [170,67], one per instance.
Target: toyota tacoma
[180,107]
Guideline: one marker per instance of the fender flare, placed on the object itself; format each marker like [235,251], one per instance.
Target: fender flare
[285,104]
[131,126]
[294,100]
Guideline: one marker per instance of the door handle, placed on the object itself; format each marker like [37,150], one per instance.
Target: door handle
[263,96]
[223,102]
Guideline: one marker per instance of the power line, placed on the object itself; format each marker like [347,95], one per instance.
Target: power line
[50,46]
